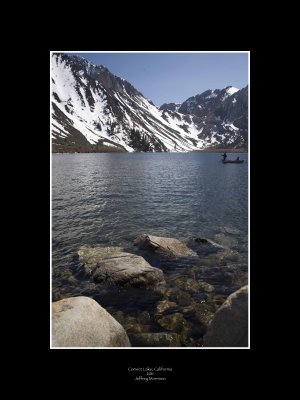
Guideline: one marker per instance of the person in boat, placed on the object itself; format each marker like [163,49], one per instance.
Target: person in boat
[224,156]
[238,159]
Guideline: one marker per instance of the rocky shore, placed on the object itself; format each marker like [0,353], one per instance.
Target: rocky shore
[203,304]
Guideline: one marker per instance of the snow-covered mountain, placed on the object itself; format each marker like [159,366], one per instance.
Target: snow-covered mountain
[94,110]
[220,117]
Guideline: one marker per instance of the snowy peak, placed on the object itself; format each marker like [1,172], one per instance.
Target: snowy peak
[199,104]
[231,90]
[94,110]
[85,71]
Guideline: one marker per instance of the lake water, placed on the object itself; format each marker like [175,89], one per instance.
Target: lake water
[110,199]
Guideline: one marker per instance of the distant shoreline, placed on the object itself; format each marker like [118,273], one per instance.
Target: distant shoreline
[221,151]
[192,151]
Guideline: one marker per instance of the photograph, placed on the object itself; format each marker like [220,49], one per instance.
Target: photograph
[149,210]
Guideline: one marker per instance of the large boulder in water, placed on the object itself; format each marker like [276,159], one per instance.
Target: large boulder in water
[90,256]
[229,326]
[82,322]
[163,245]
[110,264]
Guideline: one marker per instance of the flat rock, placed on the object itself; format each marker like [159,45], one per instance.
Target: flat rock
[229,326]
[90,256]
[160,339]
[163,245]
[82,322]
[114,266]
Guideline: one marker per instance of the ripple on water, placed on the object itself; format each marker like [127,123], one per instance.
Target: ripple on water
[110,199]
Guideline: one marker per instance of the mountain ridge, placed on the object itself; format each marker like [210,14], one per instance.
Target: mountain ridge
[96,111]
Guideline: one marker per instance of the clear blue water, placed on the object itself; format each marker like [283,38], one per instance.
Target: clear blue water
[110,199]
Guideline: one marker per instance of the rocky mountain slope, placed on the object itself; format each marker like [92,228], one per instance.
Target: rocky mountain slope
[219,116]
[94,111]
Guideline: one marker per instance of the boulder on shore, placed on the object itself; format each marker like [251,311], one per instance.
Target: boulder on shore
[110,264]
[82,322]
[229,326]
[163,245]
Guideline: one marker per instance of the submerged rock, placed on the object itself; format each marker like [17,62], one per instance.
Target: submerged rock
[212,252]
[200,312]
[204,313]
[173,322]
[221,258]
[203,246]
[228,256]
[111,265]
[217,300]
[179,296]
[163,245]
[199,239]
[160,339]
[137,328]
[229,326]
[225,240]
[192,342]
[82,322]
[192,285]
[206,287]
[186,283]
[228,229]
[240,279]
[144,317]
[139,324]
[164,305]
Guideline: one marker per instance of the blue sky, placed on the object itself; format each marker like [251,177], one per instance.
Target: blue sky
[174,77]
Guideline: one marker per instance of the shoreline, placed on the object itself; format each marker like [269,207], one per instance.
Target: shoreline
[240,151]
[245,151]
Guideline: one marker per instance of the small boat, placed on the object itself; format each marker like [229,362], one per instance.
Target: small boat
[232,161]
